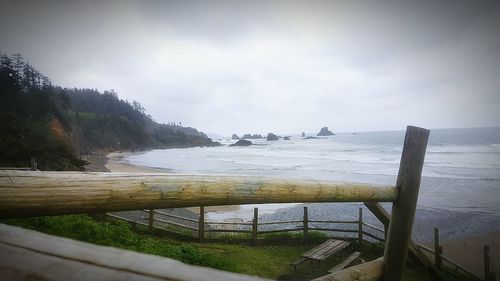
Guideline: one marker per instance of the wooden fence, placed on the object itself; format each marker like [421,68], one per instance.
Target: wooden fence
[33,193]
[154,219]
[362,232]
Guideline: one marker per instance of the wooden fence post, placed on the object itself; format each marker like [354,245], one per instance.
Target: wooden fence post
[151,219]
[438,250]
[305,223]
[201,224]
[254,225]
[403,209]
[487,275]
[33,164]
[360,226]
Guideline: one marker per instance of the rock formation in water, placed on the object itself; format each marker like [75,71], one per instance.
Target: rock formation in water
[272,137]
[235,137]
[251,137]
[286,138]
[242,143]
[303,134]
[308,138]
[325,132]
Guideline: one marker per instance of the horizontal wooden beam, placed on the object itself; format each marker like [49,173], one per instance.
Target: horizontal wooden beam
[369,271]
[30,255]
[36,193]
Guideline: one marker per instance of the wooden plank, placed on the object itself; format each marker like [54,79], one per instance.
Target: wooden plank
[369,271]
[29,255]
[174,216]
[360,226]
[279,222]
[201,224]
[22,264]
[350,259]
[36,193]
[178,224]
[373,227]
[373,236]
[255,225]
[333,251]
[297,262]
[327,221]
[334,229]
[151,219]
[403,209]
[305,223]
[320,247]
[126,219]
[438,250]
[325,251]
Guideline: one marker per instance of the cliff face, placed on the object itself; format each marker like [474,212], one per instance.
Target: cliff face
[56,124]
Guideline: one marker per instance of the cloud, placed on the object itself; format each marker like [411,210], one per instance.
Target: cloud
[281,66]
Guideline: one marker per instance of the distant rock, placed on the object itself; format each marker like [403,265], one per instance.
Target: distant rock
[272,137]
[286,138]
[308,138]
[235,137]
[252,137]
[242,143]
[325,132]
[303,134]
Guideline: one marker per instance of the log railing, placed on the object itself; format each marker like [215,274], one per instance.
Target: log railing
[33,193]
[78,192]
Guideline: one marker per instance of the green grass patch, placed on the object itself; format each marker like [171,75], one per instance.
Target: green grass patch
[271,258]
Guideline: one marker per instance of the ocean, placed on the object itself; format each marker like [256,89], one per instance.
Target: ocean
[461,171]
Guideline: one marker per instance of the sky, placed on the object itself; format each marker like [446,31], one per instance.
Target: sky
[273,66]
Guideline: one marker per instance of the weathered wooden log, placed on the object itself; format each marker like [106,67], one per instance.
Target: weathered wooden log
[35,193]
[403,209]
[369,271]
[30,255]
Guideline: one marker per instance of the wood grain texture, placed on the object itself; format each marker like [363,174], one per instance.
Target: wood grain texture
[369,271]
[403,209]
[414,249]
[36,193]
[30,255]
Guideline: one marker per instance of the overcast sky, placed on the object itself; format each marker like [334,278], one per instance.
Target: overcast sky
[273,66]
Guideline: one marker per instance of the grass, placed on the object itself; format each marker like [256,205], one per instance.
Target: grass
[270,259]
[265,261]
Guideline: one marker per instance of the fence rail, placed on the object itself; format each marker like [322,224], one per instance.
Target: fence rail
[251,227]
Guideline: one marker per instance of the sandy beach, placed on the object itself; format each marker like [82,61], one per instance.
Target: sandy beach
[115,163]
[466,251]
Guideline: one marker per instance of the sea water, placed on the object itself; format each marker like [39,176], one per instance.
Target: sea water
[461,171]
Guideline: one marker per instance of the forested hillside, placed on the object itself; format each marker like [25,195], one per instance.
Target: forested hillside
[57,125]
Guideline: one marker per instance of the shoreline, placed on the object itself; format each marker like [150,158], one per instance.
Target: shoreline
[116,164]
[466,248]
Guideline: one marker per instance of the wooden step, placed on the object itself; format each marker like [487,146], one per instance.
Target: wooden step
[297,262]
[350,259]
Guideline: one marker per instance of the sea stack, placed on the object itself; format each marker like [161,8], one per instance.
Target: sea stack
[235,137]
[242,143]
[272,137]
[325,132]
